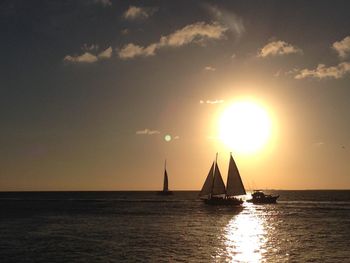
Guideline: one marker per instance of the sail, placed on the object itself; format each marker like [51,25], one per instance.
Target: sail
[165,186]
[234,182]
[208,184]
[218,184]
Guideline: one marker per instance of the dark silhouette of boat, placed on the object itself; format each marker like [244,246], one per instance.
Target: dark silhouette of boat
[258,197]
[214,191]
[165,184]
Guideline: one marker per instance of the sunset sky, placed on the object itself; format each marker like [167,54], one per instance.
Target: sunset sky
[89,89]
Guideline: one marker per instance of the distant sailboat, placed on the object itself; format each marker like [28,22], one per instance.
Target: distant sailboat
[165,183]
[214,191]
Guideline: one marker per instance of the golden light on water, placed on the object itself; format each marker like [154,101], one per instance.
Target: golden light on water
[245,127]
[245,237]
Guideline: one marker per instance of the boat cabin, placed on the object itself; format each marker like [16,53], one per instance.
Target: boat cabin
[258,194]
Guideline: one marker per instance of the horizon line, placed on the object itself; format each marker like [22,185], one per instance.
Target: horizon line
[156,190]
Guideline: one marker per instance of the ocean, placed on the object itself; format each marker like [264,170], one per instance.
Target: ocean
[304,226]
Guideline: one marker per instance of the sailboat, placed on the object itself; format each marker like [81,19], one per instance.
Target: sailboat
[214,191]
[165,183]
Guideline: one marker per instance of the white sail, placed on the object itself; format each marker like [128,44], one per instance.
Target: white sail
[218,185]
[234,182]
[208,184]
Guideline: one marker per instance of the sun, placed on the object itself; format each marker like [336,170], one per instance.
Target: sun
[245,127]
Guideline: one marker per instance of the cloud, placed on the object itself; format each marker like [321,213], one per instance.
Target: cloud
[132,50]
[103,2]
[292,71]
[147,132]
[342,47]
[211,101]
[278,48]
[135,12]
[87,47]
[319,144]
[277,74]
[323,72]
[107,53]
[209,68]
[197,33]
[231,20]
[84,58]
[125,31]
[88,57]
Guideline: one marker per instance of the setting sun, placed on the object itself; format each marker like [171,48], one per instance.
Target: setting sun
[244,127]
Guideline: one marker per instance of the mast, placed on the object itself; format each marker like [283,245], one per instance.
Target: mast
[228,174]
[218,186]
[212,185]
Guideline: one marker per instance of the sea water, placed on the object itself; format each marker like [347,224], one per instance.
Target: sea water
[304,226]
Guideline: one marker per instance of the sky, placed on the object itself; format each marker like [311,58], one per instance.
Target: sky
[90,88]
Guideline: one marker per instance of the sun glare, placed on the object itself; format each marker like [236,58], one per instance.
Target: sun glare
[244,127]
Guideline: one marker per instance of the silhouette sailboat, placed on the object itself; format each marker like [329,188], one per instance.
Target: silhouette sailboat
[214,191]
[165,183]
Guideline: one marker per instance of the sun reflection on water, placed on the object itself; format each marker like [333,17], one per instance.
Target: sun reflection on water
[245,236]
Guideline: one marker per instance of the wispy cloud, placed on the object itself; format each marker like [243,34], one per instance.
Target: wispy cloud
[323,72]
[147,132]
[209,68]
[276,48]
[135,12]
[293,71]
[131,50]
[84,58]
[211,101]
[277,74]
[197,33]
[88,57]
[104,2]
[319,144]
[107,53]
[91,47]
[229,19]
[342,47]
[125,31]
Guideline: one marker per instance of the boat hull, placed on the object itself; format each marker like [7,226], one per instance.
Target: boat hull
[223,201]
[265,200]
[164,193]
